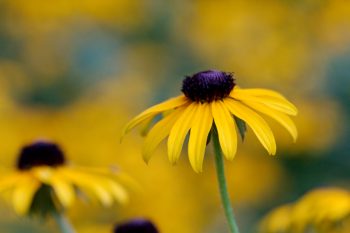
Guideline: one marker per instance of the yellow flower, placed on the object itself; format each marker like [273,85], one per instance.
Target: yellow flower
[42,170]
[321,210]
[213,97]
[277,221]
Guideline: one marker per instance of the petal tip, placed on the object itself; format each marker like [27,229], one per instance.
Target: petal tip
[197,170]
[171,159]
[230,158]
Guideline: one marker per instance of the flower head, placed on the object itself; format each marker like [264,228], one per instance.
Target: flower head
[320,210]
[136,225]
[211,98]
[42,174]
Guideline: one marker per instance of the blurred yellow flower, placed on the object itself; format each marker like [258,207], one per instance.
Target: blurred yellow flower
[278,220]
[321,210]
[42,167]
[212,96]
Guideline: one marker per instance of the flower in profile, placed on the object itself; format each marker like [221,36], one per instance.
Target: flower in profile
[136,225]
[212,98]
[321,210]
[44,183]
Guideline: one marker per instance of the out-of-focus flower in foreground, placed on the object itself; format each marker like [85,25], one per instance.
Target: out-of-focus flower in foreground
[321,210]
[213,97]
[44,183]
[136,226]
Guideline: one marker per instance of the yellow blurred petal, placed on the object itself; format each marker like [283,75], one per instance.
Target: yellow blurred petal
[256,122]
[279,104]
[160,131]
[156,109]
[103,195]
[51,176]
[202,122]
[226,129]
[89,182]
[23,194]
[179,131]
[111,171]
[281,118]
[63,190]
[118,191]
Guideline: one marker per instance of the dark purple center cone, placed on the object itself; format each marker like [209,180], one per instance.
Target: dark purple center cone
[136,226]
[208,86]
[40,154]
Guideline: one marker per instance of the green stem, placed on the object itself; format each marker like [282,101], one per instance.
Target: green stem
[225,198]
[63,223]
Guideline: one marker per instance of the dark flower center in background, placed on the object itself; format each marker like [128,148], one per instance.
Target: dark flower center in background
[207,86]
[39,154]
[136,226]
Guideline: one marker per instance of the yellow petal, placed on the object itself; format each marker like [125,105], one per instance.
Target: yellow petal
[202,122]
[51,176]
[118,192]
[23,193]
[111,171]
[63,190]
[281,118]
[160,131]
[259,92]
[226,129]
[89,182]
[279,104]
[179,131]
[152,111]
[256,122]
[102,194]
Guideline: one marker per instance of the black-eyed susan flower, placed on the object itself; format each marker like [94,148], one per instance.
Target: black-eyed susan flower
[321,210]
[212,103]
[44,183]
[212,98]
[139,225]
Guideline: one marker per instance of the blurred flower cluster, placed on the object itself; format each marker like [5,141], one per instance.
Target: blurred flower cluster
[74,72]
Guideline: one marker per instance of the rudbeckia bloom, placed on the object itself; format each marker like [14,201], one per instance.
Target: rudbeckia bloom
[321,210]
[44,182]
[213,98]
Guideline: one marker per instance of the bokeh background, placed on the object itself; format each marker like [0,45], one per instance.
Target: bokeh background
[76,71]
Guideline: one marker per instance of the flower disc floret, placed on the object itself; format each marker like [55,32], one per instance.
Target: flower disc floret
[40,154]
[136,225]
[208,86]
